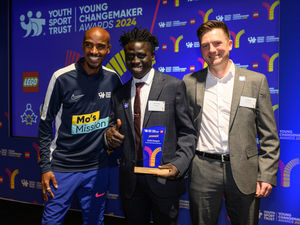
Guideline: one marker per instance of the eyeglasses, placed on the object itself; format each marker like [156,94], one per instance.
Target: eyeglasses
[90,45]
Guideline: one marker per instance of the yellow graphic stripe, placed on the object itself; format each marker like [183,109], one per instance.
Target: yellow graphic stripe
[123,54]
[207,15]
[271,13]
[114,63]
[109,66]
[237,38]
[177,43]
[117,61]
[275,107]
[176,3]
[120,61]
[271,62]
[287,172]
[12,179]
[153,156]
[153,62]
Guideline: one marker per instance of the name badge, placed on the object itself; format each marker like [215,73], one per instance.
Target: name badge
[248,102]
[242,78]
[156,106]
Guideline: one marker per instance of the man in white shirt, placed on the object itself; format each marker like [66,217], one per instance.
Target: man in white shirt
[163,102]
[230,107]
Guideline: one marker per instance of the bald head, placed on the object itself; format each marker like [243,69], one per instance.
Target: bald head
[97,32]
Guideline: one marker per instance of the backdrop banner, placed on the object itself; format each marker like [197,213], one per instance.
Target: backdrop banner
[46,36]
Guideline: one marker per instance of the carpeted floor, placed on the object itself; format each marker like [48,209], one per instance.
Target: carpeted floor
[16,213]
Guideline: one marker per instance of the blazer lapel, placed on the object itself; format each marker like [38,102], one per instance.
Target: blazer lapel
[127,105]
[199,95]
[237,92]
[156,88]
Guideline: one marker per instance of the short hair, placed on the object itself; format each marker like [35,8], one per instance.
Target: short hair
[138,35]
[209,26]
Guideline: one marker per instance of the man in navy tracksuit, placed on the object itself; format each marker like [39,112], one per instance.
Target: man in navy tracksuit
[74,161]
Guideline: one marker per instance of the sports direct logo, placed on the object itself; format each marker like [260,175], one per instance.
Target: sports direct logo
[34,26]
[30,81]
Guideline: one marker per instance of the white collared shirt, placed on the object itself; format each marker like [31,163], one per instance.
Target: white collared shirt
[144,92]
[216,113]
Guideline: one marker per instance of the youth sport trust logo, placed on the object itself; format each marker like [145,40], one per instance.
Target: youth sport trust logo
[34,25]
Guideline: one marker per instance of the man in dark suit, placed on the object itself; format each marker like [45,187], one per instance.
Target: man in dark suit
[163,103]
[230,107]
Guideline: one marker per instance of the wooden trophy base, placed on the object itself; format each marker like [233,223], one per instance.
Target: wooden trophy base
[154,171]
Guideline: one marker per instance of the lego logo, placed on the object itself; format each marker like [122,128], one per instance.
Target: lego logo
[30,82]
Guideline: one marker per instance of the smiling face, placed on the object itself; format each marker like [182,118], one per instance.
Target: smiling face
[95,48]
[139,57]
[215,47]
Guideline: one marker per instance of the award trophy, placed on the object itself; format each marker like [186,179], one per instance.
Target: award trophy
[153,139]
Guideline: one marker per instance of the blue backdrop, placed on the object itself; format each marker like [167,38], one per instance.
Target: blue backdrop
[47,36]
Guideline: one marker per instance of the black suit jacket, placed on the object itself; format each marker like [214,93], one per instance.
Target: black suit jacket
[179,140]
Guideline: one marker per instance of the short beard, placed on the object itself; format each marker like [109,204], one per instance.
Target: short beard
[93,67]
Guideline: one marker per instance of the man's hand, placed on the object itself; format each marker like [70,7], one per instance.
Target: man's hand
[46,178]
[263,189]
[114,138]
[173,171]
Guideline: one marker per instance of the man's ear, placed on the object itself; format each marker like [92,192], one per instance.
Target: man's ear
[109,47]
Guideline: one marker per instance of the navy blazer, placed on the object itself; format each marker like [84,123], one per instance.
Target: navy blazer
[180,136]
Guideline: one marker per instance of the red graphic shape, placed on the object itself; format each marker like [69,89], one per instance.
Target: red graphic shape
[154,17]
[255,14]
[254,65]
[192,21]
[99,195]
[37,149]
[27,155]
[71,57]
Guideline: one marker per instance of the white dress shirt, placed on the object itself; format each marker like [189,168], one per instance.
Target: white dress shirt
[144,92]
[216,113]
